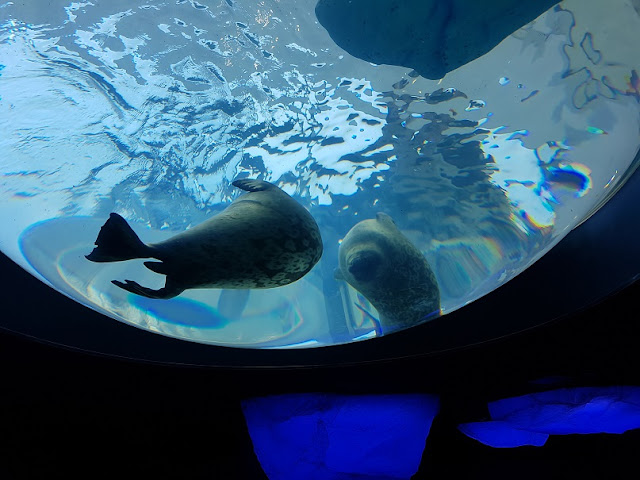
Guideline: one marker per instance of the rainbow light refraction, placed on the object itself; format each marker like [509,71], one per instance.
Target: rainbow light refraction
[534,180]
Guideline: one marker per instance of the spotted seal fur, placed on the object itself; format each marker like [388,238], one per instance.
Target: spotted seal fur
[264,239]
[376,259]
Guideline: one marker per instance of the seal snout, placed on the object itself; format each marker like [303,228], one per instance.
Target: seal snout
[364,265]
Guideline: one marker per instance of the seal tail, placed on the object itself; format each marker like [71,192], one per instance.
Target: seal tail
[117,242]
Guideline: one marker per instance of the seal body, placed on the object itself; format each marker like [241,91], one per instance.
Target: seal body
[424,35]
[264,239]
[376,259]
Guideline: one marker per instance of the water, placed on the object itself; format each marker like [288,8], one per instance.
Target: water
[152,109]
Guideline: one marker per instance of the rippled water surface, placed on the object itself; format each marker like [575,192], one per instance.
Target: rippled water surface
[151,109]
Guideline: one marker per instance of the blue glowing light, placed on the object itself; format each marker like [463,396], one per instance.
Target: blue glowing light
[530,419]
[340,437]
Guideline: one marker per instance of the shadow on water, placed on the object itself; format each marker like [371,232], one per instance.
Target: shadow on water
[181,312]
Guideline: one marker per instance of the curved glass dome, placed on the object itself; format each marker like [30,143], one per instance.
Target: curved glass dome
[152,109]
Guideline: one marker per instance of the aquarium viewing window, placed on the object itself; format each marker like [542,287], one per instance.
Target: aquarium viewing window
[467,155]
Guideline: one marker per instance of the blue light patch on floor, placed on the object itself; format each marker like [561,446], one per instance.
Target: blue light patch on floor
[340,437]
[502,435]
[530,419]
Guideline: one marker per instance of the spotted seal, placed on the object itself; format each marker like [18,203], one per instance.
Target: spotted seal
[376,259]
[264,239]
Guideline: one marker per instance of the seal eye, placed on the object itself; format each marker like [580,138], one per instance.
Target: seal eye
[364,266]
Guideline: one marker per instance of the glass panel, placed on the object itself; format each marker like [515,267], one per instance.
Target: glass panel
[152,110]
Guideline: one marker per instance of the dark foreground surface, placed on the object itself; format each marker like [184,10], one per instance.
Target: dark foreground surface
[70,413]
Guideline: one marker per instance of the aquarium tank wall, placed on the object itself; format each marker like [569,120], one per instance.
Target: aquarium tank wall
[467,139]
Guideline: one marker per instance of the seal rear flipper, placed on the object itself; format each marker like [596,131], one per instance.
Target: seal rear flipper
[117,242]
[162,293]
[250,185]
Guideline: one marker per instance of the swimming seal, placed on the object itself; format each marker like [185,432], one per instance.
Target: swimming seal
[376,259]
[264,239]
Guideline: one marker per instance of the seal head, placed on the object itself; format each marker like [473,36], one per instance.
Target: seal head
[376,259]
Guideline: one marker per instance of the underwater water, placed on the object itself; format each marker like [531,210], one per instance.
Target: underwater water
[151,109]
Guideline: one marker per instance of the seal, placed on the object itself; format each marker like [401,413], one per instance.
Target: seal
[264,239]
[376,259]
[424,35]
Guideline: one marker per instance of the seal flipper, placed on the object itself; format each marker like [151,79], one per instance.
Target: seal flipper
[117,242]
[158,267]
[250,185]
[169,291]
